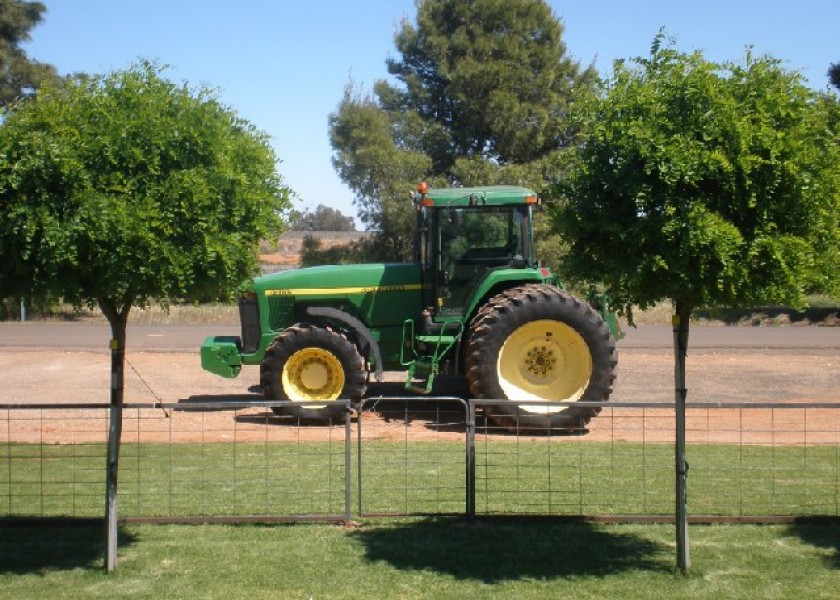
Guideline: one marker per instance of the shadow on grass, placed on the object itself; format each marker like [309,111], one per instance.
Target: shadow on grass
[822,534]
[503,551]
[37,547]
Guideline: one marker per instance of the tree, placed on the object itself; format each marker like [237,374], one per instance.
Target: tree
[481,96]
[313,252]
[834,75]
[712,185]
[19,75]
[377,169]
[707,184]
[127,188]
[323,218]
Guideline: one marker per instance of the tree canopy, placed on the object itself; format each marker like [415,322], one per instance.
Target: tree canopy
[709,184]
[481,96]
[126,188]
[323,218]
[20,75]
[834,75]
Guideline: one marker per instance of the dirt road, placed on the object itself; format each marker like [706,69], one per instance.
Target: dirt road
[69,363]
[187,338]
[751,367]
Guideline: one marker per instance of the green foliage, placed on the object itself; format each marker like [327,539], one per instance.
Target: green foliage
[19,75]
[313,253]
[377,168]
[708,184]
[127,188]
[834,75]
[363,250]
[323,218]
[550,247]
[481,97]
[491,78]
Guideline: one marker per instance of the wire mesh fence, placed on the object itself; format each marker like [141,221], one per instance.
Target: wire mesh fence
[405,456]
[50,468]
[213,460]
[411,456]
[764,459]
[745,461]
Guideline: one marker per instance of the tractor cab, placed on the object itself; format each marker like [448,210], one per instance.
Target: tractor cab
[470,243]
[465,233]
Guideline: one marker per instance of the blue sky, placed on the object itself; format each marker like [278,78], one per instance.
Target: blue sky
[284,64]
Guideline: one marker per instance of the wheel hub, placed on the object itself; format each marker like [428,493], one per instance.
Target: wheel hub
[540,361]
[544,360]
[313,374]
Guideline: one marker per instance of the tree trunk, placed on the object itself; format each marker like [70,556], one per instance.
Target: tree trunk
[681,324]
[117,318]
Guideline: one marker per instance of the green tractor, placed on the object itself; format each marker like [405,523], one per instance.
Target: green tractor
[473,301]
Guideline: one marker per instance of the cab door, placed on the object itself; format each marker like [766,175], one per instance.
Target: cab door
[471,242]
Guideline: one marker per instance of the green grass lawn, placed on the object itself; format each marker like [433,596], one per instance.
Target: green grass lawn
[530,477]
[422,558]
[433,557]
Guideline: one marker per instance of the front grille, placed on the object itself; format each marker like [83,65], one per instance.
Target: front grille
[281,311]
[249,317]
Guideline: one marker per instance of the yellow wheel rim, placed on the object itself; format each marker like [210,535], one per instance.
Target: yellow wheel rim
[544,360]
[313,374]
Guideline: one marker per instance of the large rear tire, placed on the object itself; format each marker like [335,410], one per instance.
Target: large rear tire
[312,364]
[537,342]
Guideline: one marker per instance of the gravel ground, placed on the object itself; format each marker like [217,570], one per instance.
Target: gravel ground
[37,376]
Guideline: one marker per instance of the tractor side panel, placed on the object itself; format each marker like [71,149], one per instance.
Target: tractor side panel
[382,296]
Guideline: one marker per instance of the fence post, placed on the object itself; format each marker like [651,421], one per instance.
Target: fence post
[348,481]
[470,463]
[681,466]
[112,468]
[359,419]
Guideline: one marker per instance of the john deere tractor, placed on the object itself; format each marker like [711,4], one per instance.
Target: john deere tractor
[474,300]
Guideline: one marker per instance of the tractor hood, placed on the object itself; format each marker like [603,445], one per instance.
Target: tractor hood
[342,280]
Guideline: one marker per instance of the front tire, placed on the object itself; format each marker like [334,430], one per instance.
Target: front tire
[307,363]
[537,342]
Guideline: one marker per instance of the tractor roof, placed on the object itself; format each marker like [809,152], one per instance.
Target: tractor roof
[491,195]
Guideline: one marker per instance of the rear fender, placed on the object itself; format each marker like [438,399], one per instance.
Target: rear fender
[499,280]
